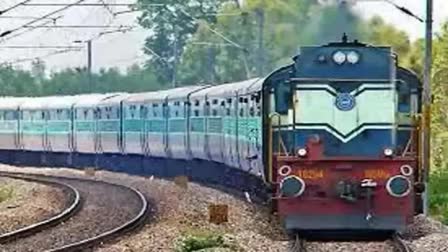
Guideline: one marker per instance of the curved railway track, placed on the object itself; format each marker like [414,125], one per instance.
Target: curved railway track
[399,245]
[108,210]
[74,204]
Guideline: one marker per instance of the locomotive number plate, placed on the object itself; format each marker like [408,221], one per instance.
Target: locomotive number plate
[377,174]
[311,174]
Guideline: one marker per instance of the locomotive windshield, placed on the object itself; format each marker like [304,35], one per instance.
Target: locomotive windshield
[351,118]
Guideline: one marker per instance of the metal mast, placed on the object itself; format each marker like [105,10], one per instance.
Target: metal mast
[427,100]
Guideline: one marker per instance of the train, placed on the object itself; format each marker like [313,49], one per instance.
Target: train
[330,141]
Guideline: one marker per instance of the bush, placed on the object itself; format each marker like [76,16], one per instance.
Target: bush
[5,193]
[203,242]
[438,194]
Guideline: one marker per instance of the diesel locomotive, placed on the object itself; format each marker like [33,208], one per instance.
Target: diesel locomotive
[333,138]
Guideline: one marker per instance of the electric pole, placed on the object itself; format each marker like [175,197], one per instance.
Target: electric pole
[175,55]
[427,100]
[89,63]
[260,55]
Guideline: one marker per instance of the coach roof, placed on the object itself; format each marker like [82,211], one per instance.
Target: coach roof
[162,95]
[92,100]
[11,103]
[227,90]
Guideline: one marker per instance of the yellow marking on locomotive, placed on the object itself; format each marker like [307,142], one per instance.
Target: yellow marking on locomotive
[311,174]
[377,174]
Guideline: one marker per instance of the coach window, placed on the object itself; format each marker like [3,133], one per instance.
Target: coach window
[196,110]
[252,110]
[206,110]
[155,108]
[61,114]
[132,112]
[175,109]
[86,114]
[242,105]
[143,112]
[229,107]
[10,115]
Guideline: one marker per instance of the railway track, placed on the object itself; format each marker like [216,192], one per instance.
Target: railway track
[107,211]
[299,244]
[399,244]
[74,203]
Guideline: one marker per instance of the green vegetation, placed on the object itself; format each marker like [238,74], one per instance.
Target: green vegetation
[204,241]
[439,195]
[5,193]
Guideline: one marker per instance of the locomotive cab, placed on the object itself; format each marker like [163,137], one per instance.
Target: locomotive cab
[342,138]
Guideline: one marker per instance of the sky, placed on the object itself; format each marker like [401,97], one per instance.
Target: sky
[122,49]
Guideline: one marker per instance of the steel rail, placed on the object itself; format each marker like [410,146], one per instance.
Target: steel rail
[53,221]
[135,222]
[299,244]
[399,244]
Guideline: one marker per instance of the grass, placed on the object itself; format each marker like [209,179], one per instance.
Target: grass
[438,198]
[5,193]
[204,241]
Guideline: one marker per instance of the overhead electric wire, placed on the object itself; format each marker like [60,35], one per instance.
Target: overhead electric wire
[39,47]
[14,6]
[5,33]
[45,21]
[26,30]
[405,10]
[92,4]
[219,34]
[43,56]
[21,17]
[79,26]
[107,7]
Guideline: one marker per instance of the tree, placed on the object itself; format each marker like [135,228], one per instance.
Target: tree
[16,82]
[439,118]
[171,25]
[380,33]
[209,56]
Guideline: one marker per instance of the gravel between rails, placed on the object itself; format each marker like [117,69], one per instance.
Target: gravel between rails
[250,227]
[30,203]
[105,207]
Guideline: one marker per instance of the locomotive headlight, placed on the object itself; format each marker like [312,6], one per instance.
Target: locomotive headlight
[302,152]
[353,57]
[388,152]
[292,186]
[339,57]
[398,186]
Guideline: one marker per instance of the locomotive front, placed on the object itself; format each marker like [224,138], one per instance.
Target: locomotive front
[343,140]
